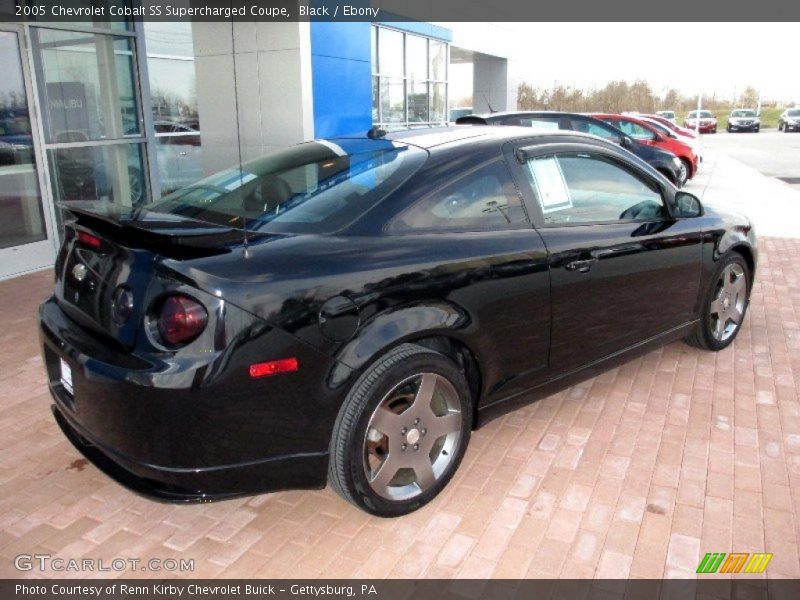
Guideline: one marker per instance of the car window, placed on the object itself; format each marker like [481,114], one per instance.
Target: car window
[598,129]
[315,187]
[580,188]
[636,131]
[484,199]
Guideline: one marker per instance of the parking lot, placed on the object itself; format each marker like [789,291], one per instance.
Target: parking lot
[771,152]
[638,472]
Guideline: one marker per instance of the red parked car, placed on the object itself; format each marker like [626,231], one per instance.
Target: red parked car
[708,121]
[670,125]
[644,132]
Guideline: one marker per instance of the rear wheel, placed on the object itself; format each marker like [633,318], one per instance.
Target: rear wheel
[724,306]
[401,433]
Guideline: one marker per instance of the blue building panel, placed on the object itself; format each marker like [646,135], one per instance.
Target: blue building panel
[341,75]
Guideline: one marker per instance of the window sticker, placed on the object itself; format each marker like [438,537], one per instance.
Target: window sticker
[550,184]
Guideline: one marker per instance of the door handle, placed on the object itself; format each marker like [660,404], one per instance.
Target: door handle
[582,266]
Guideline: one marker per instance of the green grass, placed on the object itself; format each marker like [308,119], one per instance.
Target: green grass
[769,117]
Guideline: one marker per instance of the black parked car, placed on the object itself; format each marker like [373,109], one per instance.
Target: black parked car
[665,162]
[347,311]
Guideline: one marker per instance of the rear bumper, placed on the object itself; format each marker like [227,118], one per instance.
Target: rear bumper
[192,432]
[194,485]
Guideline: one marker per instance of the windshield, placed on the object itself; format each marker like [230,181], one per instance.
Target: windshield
[793,113]
[667,114]
[743,113]
[704,114]
[316,187]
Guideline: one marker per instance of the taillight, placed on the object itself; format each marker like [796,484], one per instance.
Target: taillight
[89,239]
[180,319]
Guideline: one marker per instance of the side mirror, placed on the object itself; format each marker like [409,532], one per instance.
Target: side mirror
[626,142]
[687,206]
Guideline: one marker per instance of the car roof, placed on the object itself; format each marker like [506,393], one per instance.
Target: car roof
[517,113]
[447,135]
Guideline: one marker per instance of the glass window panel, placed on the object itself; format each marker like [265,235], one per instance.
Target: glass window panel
[105,173]
[393,97]
[417,102]
[438,102]
[375,50]
[416,57]
[89,85]
[376,100]
[21,216]
[104,21]
[438,60]
[390,49]
[180,161]
[171,39]
[173,93]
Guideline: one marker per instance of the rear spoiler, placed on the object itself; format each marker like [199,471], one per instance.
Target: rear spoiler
[471,120]
[171,241]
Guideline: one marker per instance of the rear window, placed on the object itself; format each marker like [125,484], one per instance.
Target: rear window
[316,187]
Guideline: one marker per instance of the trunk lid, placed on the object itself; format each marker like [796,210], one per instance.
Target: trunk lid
[107,263]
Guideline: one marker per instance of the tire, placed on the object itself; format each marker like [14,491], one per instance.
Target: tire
[708,334]
[688,166]
[375,430]
[670,176]
[757,129]
[729,129]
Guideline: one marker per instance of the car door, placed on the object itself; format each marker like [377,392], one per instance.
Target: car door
[622,269]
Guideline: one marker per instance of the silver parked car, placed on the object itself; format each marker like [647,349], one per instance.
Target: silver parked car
[789,120]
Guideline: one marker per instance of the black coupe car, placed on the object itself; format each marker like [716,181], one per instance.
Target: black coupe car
[662,161]
[348,310]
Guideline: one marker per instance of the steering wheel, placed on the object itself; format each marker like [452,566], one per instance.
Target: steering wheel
[641,211]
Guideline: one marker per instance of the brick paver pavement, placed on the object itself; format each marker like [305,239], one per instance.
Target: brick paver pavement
[637,472]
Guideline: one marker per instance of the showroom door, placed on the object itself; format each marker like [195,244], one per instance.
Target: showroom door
[26,235]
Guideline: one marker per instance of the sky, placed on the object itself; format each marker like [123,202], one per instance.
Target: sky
[711,58]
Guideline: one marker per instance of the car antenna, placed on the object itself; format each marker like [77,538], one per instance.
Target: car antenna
[246,247]
[491,110]
[376,132]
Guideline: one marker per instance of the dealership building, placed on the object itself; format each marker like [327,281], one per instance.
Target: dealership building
[126,112]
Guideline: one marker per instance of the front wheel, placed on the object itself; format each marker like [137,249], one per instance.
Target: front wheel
[724,306]
[401,432]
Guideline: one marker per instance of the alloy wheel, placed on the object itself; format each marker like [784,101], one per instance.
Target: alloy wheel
[412,436]
[727,307]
